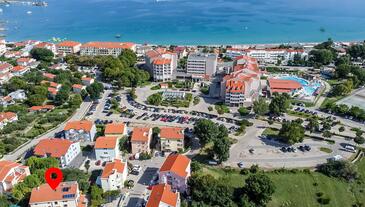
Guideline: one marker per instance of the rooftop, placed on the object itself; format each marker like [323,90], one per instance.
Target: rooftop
[172,133]
[53,147]
[111,167]
[140,134]
[106,142]
[64,191]
[114,128]
[176,163]
[162,193]
[79,125]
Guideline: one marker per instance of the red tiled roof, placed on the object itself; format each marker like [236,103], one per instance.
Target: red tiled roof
[52,90]
[52,147]
[283,85]
[140,134]
[114,128]
[4,66]
[49,75]
[18,68]
[79,86]
[162,193]
[37,108]
[44,193]
[79,125]
[172,133]
[162,61]
[111,167]
[86,79]
[23,60]
[68,44]
[176,163]
[7,115]
[106,142]
[6,167]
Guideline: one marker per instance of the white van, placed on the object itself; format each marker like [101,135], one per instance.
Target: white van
[350,148]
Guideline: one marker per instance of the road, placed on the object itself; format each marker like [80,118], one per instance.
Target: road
[21,150]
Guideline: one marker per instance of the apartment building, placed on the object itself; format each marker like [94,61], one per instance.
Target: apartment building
[141,139]
[176,171]
[202,64]
[163,196]
[171,139]
[67,194]
[243,84]
[266,55]
[68,47]
[161,63]
[107,148]
[114,175]
[80,130]
[62,149]
[106,48]
[11,173]
[47,45]
[115,129]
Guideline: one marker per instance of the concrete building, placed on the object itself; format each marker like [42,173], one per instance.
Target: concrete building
[47,45]
[80,130]
[175,171]
[77,88]
[68,47]
[87,81]
[106,48]
[163,196]
[107,148]
[62,149]
[140,140]
[115,129]
[67,194]
[243,85]
[11,173]
[171,139]
[161,63]
[7,117]
[282,86]
[114,175]
[202,64]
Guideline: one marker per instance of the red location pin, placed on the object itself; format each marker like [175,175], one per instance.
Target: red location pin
[53,177]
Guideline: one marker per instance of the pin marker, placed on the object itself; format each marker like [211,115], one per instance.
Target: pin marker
[53,177]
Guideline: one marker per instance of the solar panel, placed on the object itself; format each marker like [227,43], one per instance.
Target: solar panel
[68,196]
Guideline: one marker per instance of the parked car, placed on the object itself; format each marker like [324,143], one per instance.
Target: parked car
[97,163]
[240,165]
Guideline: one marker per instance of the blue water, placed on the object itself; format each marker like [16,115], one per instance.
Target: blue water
[189,21]
[309,88]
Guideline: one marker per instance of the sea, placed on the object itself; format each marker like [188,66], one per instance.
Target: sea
[187,22]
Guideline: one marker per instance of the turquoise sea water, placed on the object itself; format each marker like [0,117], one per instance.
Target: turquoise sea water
[189,21]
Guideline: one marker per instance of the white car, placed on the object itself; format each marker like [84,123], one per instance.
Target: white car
[240,165]
[137,168]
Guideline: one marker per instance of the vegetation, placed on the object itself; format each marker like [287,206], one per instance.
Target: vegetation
[42,54]
[204,90]
[292,132]
[260,107]
[221,108]
[340,169]
[157,99]
[243,111]
[279,104]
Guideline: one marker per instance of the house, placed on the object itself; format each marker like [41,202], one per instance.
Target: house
[181,52]
[172,139]
[52,92]
[106,48]
[163,196]
[164,85]
[47,45]
[115,129]
[106,148]
[26,62]
[77,88]
[67,194]
[18,95]
[80,130]
[19,70]
[282,86]
[114,175]
[87,81]
[49,76]
[11,173]
[243,85]
[7,117]
[5,77]
[161,63]
[5,68]
[141,139]
[6,101]
[68,47]
[175,171]
[43,108]
[62,149]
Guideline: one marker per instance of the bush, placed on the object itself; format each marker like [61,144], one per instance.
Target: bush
[210,108]
[254,169]
[324,201]
[340,169]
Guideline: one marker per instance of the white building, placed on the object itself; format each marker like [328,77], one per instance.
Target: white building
[106,48]
[2,46]
[80,130]
[172,139]
[107,148]
[67,194]
[161,63]
[18,95]
[114,175]
[7,117]
[68,47]
[11,173]
[202,64]
[47,45]
[62,149]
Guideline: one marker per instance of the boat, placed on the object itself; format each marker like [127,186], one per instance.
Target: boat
[29,12]
[40,3]
[118,36]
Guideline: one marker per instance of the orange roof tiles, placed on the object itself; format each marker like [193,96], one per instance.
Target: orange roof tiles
[79,86]
[106,142]
[7,116]
[140,134]
[23,60]
[172,133]
[115,128]
[111,167]
[49,75]
[162,193]
[6,167]
[162,61]
[86,79]
[68,44]
[283,85]
[18,68]
[52,147]
[79,125]
[4,66]
[176,163]
[109,45]
[38,108]
[43,45]
[52,90]
[44,193]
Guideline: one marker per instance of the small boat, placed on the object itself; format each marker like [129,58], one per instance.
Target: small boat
[29,12]
[118,36]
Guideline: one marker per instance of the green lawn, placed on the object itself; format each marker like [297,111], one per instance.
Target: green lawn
[325,149]
[270,132]
[300,189]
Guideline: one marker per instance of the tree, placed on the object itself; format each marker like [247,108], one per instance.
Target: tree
[292,132]
[155,99]
[72,174]
[359,140]
[221,149]
[36,100]
[4,202]
[313,124]
[243,111]
[36,163]
[42,54]
[340,169]
[279,104]
[75,101]
[327,134]
[321,56]
[259,189]
[96,195]
[206,131]
[15,83]
[357,51]
[94,90]
[342,71]
[62,95]
[260,107]
[129,57]
[341,129]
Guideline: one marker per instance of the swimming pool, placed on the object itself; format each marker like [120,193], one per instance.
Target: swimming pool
[309,87]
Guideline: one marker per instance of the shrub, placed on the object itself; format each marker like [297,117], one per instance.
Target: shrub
[324,201]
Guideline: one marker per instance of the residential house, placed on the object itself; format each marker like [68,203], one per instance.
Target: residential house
[7,117]
[11,173]
[164,85]
[141,139]
[87,81]
[106,148]
[62,149]
[5,77]
[163,196]
[77,88]
[18,95]
[6,101]
[49,76]
[52,92]
[68,47]
[43,108]
[161,63]
[47,45]
[181,52]
[19,70]
[67,194]
[115,129]
[27,62]
[80,130]
[5,68]
[175,171]
[106,48]
[114,175]
[172,139]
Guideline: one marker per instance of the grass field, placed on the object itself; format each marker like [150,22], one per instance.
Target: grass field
[300,189]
